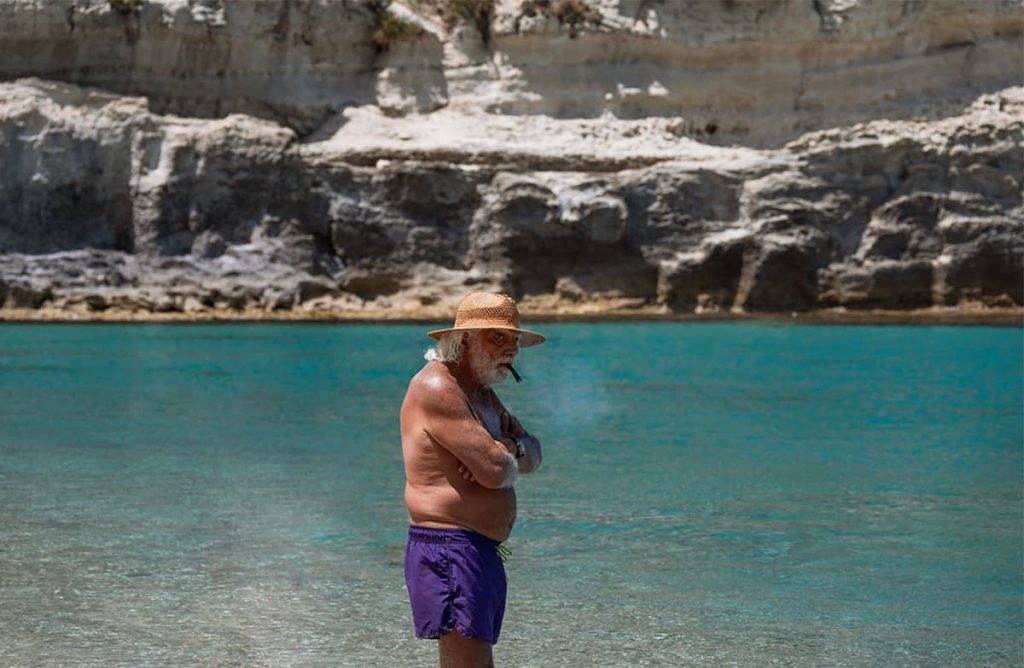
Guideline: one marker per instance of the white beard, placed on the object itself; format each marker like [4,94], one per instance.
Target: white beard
[487,371]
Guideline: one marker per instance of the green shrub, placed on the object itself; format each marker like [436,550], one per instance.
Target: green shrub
[126,6]
[390,29]
[478,12]
[573,13]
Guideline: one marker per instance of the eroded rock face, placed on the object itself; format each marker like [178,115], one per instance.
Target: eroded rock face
[294,62]
[370,177]
[764,71]
[756,72]
[237,214]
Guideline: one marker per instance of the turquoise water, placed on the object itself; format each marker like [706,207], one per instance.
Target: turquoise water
[712,495]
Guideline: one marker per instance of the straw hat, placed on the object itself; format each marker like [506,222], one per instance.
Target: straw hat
[487,310]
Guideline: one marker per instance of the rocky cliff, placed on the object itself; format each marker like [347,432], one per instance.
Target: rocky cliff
[623,156]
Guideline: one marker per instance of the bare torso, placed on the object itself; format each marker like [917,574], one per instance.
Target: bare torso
[435,492]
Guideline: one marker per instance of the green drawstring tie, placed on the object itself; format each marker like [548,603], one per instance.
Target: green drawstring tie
[504,553]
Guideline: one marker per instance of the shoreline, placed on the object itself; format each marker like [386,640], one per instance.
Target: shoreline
[1002,317]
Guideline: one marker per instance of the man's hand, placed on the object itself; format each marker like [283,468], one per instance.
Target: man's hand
[464,472]
[513,431]
[510,426]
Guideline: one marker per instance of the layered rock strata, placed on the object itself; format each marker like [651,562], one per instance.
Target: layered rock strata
[754,72]
[370,178]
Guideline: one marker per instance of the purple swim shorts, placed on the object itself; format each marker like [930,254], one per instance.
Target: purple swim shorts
[456,581]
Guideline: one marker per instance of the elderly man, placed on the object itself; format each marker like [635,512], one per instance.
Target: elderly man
[463,452]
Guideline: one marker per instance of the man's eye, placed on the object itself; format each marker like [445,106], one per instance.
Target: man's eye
[499,338]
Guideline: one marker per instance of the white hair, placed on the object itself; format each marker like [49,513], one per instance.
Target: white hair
[450,347]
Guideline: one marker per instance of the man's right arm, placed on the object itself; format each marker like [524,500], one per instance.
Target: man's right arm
[449,423]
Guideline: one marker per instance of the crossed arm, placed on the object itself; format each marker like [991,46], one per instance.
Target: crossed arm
[449,421]
[512,430]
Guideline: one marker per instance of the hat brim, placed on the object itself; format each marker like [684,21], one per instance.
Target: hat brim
[527,338]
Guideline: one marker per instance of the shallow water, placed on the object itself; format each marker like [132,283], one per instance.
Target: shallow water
[712,494]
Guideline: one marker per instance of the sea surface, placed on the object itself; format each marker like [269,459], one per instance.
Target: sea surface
[713,494]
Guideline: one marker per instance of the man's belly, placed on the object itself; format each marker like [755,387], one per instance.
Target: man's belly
[490,512]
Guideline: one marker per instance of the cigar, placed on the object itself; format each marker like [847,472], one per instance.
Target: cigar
[515,374]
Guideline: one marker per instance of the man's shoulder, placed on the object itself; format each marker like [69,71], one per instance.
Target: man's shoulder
[434,380]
